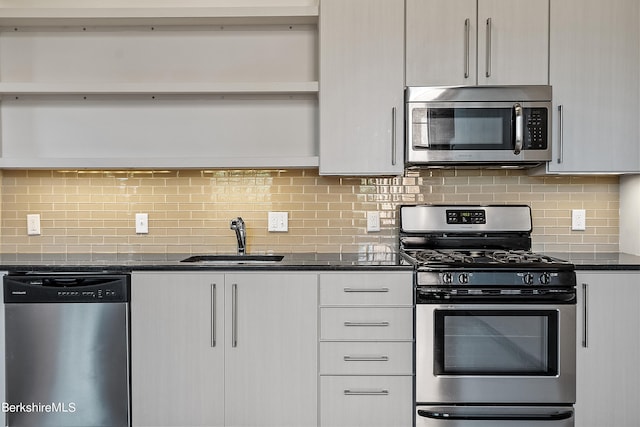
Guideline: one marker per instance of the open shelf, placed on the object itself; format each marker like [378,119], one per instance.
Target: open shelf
[160,88]
[241,15]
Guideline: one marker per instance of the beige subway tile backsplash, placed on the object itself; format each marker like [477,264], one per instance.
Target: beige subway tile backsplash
[189,210]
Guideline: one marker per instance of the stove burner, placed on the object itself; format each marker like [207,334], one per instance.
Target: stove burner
[432,256]
[424,257]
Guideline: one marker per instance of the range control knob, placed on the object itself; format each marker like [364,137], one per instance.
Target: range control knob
[463,278]
[447,278]
[545,278]
[527,278]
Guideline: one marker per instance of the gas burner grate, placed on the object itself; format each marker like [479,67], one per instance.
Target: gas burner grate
[428,256]
[521,257]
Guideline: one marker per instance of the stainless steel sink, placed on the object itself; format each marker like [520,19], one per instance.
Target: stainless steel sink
[233,259]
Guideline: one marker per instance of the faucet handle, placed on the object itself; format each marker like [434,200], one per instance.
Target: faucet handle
[236,222]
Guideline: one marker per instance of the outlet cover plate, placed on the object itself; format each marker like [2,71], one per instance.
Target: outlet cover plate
[33,224]
[578,220]
[373,221]
[278,221]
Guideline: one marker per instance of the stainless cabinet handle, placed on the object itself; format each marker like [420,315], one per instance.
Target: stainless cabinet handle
[467,25]
[379,324]
[488,59]
[585,315]
[213,315]
[365,358]
[517,108]
[382,392]
[560,133]
[393,136]
[234,315]
[365,290]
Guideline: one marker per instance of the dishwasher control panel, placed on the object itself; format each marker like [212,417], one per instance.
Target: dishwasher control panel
[66,288]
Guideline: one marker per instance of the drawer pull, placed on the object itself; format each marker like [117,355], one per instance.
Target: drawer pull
[379,324]
[382,392]
[366,290]
[365,358]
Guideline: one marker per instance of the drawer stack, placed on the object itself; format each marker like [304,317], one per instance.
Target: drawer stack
[366,349]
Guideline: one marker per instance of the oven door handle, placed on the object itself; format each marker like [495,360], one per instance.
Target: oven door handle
[444,415]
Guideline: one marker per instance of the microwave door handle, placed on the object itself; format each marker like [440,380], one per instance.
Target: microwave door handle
[517,108]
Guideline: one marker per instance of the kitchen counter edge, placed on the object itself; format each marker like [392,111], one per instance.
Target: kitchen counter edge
[137,262]
[602,261]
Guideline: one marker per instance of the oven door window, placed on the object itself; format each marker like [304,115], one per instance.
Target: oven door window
[496,342]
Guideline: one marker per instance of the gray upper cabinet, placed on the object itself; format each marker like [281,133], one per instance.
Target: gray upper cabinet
[477,42]
[595,74]
[361,87]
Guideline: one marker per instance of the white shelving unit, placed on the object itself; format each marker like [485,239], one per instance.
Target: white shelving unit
[159,87]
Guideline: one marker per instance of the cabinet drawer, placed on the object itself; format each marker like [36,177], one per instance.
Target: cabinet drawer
[366,323]
[366,289]
[366,401]
[366,358]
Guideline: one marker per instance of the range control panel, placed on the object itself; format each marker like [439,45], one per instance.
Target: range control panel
[471,216]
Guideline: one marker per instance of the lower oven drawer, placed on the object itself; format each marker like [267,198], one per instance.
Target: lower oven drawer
[366,401]
[494,416]
[366,358]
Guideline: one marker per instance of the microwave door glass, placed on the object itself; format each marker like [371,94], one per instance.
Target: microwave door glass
[469,128]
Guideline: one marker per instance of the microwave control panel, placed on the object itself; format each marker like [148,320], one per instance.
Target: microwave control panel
[536,123]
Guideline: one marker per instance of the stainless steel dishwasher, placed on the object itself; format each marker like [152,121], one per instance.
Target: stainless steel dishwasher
[67,350]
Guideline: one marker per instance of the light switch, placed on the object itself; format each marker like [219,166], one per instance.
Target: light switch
[142,223]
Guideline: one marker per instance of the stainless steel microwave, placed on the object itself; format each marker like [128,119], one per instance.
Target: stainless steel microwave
[478,125]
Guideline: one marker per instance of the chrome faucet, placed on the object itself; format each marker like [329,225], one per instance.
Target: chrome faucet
[237,225]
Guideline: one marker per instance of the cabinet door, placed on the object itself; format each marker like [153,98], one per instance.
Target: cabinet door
[595,68]
[177,351]
[361,87]
[513,42]
[271,350]
[608,373]
[441,42]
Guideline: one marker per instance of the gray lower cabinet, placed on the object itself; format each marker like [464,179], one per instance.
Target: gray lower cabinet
[236,349]
[366,349]
[608,372]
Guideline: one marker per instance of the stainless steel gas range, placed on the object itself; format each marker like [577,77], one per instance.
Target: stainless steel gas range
[495,322]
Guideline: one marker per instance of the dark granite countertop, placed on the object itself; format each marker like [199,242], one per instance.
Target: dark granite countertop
[600,261]
[138,262]
[293,261]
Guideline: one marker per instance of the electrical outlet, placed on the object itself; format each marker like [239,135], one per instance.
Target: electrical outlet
[33,224]
[142,223]
[373,221]
[278,221]
[578,220]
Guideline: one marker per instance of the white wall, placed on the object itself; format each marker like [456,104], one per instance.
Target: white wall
[630,214]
